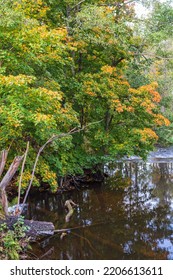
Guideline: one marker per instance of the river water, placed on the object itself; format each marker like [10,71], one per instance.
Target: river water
[129,216]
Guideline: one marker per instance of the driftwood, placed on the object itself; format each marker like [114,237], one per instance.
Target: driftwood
[35,228]
[69,205]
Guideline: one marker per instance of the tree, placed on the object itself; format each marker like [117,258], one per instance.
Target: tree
[63,64]
[157,36]
[32,104]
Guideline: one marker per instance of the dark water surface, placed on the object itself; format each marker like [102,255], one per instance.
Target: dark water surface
[129,216]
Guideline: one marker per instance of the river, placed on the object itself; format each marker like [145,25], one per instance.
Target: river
[129,216]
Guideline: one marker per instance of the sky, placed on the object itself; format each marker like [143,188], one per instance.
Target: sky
[142,11]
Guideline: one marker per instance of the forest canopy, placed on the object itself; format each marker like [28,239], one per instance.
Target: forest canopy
[71,63]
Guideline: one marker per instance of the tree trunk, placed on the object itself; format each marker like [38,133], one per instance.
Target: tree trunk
[10,173]
[4,202]
[7,178]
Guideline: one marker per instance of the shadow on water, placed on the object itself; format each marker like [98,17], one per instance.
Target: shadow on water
[131,216]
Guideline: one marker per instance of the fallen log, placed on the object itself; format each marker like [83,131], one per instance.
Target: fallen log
[35,228]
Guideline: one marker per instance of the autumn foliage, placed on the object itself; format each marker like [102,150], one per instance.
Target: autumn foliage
[63,68]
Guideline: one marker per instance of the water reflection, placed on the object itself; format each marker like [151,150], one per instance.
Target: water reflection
[127,217]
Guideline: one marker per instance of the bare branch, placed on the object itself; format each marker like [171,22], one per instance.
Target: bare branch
[11,171]
[3,159]
[21,175]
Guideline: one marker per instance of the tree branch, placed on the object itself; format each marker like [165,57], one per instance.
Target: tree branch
[7,178]
[152,55]
[21,175]
[3,159]
[50,140]
[11,171]
[77,4]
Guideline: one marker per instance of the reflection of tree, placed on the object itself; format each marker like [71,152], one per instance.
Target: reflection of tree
[134,203]
[163,182]
[146,228]
[148,221]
